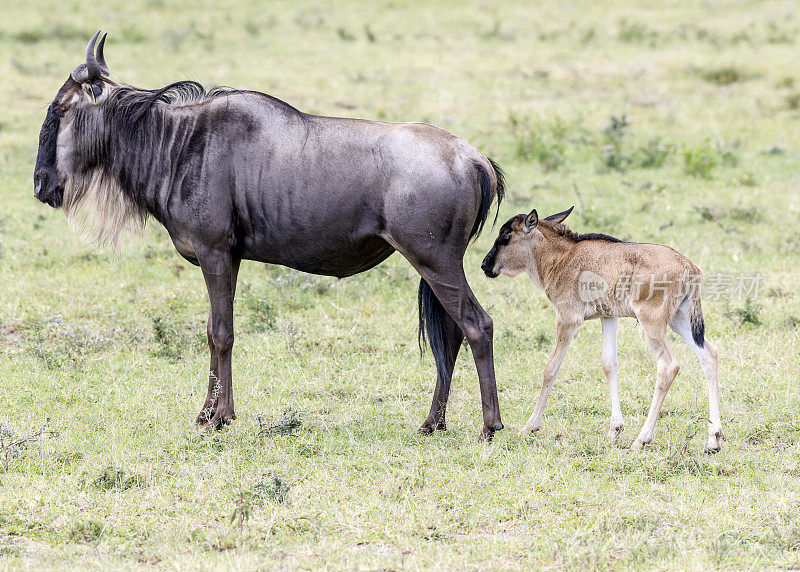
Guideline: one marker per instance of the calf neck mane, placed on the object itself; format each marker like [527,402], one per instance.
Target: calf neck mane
[572,236]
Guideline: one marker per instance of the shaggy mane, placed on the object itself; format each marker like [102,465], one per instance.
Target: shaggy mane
[132,103]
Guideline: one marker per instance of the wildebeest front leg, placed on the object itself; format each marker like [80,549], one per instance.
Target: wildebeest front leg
[219,272]
[436,417]
[210,404]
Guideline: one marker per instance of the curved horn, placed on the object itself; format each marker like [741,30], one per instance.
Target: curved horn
[100,59]
[92,66]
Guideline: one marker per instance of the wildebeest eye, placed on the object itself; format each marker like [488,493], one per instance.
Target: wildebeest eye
[97,88]
[503,240]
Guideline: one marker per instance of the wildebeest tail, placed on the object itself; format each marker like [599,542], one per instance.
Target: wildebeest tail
[486,196]
[433,322]
[696,321]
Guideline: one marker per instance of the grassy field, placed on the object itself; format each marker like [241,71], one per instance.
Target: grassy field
[669,122]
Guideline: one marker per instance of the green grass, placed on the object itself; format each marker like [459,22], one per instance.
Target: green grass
[112,351]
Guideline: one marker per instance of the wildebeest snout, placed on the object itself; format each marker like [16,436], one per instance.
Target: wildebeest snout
[46,189]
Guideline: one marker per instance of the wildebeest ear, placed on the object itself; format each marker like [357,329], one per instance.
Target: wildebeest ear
[559,217]
[87,89]
[531,221]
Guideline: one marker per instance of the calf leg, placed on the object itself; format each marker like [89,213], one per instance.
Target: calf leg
[436,417]
[219,272]
[565,331]
[610,367]
[707,355]
[667,368]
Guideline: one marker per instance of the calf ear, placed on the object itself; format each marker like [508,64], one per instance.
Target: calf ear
[559,217]
[531,221]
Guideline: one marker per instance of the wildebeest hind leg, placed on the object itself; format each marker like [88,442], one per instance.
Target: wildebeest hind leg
[220,272]
[436,417]
[450,286]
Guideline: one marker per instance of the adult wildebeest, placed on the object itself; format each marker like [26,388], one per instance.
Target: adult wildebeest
[589,276]
[235,175]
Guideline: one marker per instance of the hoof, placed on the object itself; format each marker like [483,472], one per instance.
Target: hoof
[486,436]
[714,442]
[218,420]
[532,426]
[615,432]
[425,430]
[529,430]
[430,426]
[638,445]
[205,415]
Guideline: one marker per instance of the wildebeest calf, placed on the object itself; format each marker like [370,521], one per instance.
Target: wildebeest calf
[589,276]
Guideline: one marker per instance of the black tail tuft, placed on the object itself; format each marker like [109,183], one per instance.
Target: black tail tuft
[432,318]
[486,196]
[697,322]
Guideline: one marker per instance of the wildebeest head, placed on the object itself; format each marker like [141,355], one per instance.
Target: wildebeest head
[75,112]
[515,247]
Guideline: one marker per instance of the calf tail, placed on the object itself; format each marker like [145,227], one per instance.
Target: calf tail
[487,194]
[696,321]
[432,319]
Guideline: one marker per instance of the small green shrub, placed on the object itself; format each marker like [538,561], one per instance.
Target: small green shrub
[722,213]
[636,33]
[344,35]
[13,445]
[87,531]
[273,490]
[288,424]
[700,161]
[614,156]
[652,155]
[746,179]
[173,338]
[545,144]
[168,340]
[541,340]
[750,313]
[113,478]
[260,316]
[726,75]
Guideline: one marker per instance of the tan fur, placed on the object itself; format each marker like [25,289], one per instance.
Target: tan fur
[653,283]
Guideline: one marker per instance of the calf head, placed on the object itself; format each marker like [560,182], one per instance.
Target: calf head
[514,250]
